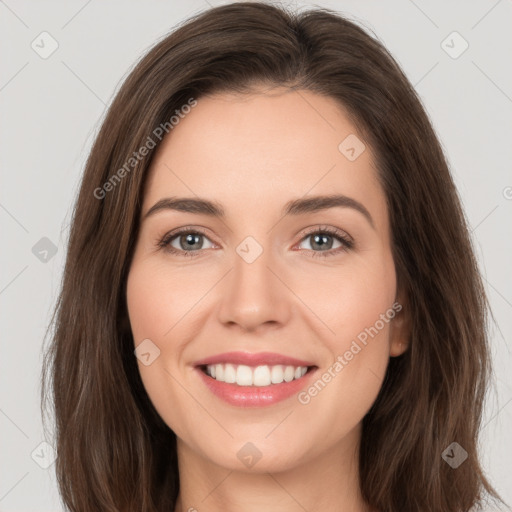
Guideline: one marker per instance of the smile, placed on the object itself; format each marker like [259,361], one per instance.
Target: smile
[263,375]
[254,386]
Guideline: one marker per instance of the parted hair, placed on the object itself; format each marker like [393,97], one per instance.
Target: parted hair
[115,453]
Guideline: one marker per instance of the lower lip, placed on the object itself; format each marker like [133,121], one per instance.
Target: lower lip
[255,396]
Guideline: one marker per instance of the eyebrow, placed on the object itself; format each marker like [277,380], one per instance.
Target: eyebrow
[295,207]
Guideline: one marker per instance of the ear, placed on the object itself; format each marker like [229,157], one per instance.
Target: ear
[400,327]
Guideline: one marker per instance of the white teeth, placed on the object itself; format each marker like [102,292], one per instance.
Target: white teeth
[264,375]
[277,374]
[229,373]
[244,376]
[289,372]
[261,376]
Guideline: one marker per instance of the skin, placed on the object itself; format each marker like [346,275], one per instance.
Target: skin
[252,154]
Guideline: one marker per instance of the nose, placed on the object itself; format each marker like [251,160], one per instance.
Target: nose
[255,295]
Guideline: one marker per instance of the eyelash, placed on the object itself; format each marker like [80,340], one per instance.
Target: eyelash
[347,243]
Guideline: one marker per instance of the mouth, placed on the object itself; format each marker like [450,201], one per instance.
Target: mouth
[255,376]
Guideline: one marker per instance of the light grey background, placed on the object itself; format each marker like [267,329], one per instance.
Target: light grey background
[51,110]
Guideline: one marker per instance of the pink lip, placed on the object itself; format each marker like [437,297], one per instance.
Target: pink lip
[258,359]
[255,396]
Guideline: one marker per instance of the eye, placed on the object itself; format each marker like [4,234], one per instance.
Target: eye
[321,237]
[189,242]
[185,242]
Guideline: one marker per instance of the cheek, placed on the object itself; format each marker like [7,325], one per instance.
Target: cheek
[154,309]
[147,315]
[158,298]
[351,299]
[357,307]
[347,387]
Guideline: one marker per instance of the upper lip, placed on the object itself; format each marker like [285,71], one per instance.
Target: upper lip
[257,359]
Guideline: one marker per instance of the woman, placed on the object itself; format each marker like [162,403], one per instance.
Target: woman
[270,299]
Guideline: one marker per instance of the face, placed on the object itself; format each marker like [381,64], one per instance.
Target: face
[268,278]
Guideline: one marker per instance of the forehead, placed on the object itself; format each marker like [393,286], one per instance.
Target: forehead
[261,150]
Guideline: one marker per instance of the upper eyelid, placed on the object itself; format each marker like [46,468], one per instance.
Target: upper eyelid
[331,230]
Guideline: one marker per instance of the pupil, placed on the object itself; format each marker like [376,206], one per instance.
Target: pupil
[191,240]
[322,239]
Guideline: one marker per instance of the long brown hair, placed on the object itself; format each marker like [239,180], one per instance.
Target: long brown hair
[114,450]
